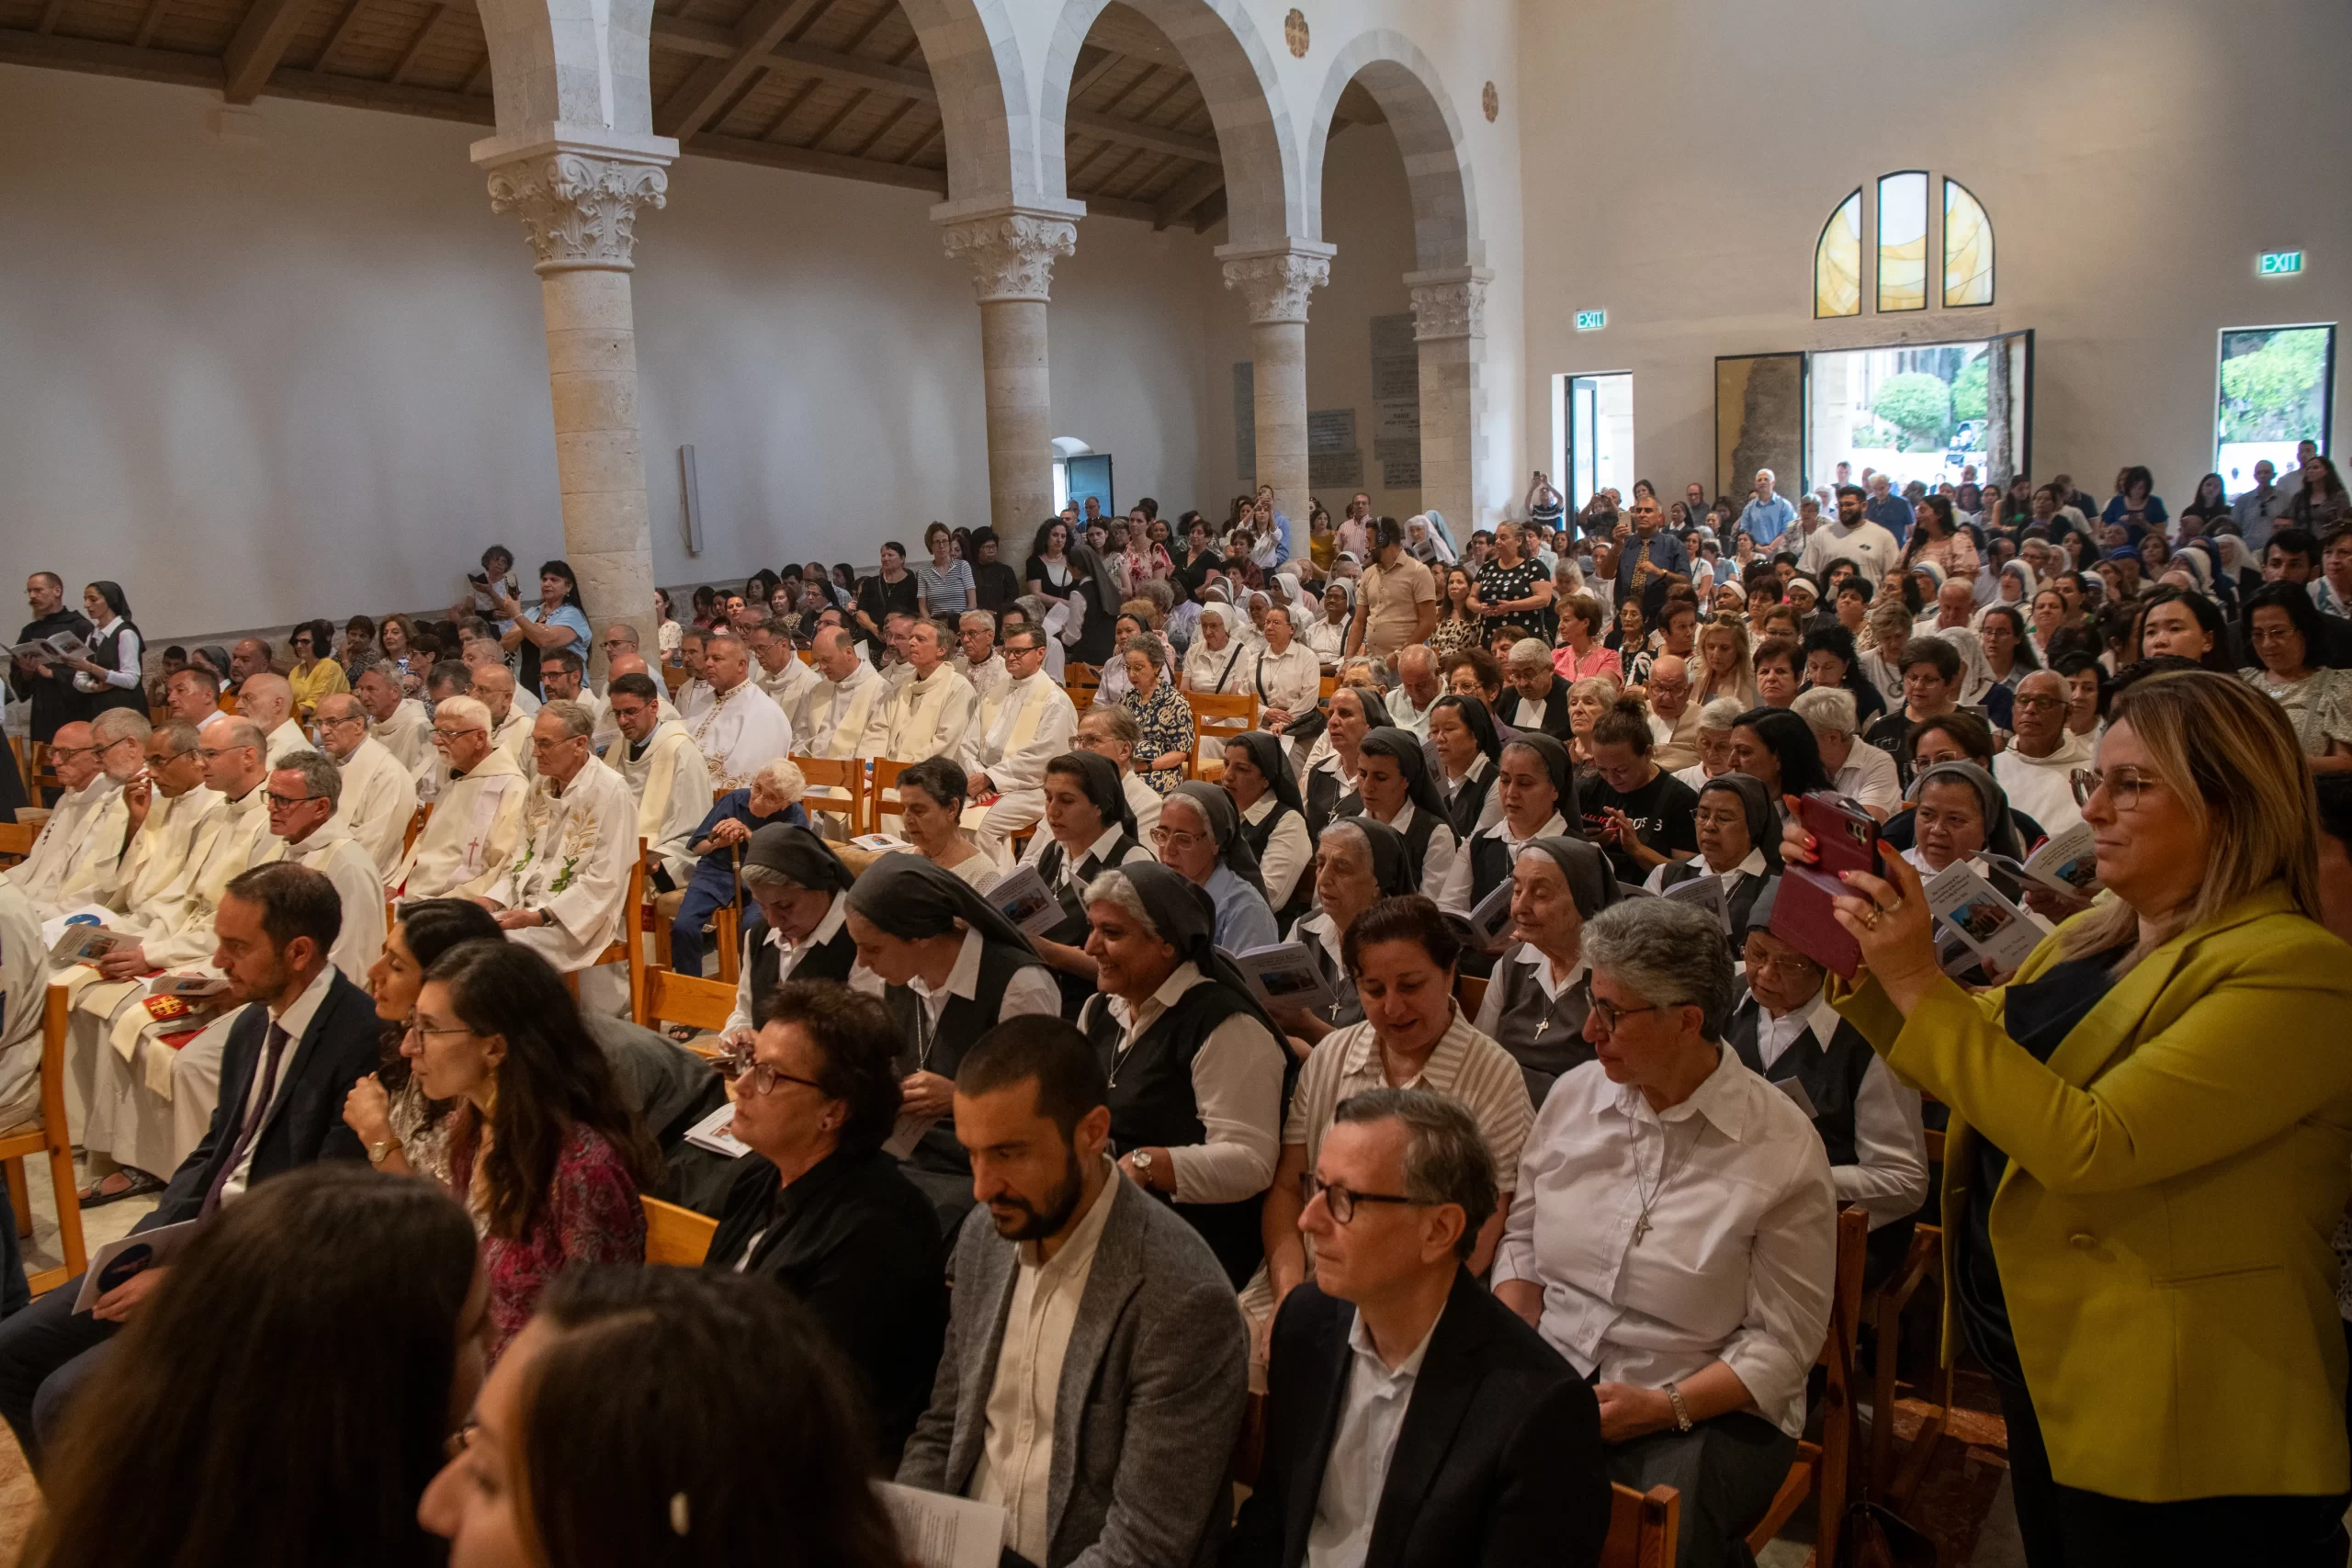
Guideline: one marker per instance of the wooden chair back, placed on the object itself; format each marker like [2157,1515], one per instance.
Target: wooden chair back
[672,997]
[882,798]
[628,949]
[837,788]
[1643,1527]
[417,819]
[1331,684]
[1824,1470]
[1471,992]
[51,1138]
[16,840]
[1216,718]
[676,1236]
[673,677]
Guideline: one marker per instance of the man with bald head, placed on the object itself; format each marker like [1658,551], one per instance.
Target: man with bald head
[376,796]
[510,727]
[852,702]
[268,699]
[396,721]
[1416,690]
[481,653]
[80,845]
[1674,717]
[474,826]
[740,729]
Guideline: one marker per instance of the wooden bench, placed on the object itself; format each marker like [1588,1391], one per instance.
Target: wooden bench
[672,997]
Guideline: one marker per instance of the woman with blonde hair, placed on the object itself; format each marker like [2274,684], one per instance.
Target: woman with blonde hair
[2150,1142]
[1725,669]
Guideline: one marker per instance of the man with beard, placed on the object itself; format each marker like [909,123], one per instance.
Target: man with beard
[1162,1354]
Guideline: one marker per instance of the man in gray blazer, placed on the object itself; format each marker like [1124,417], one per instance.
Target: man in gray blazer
[1096,1362]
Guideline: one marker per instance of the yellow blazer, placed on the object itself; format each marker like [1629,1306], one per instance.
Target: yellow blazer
[2175,1172]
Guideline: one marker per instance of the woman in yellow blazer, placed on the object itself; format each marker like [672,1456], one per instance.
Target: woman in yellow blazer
[2148,1150]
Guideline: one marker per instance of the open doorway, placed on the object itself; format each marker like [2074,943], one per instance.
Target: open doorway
[1937,413]
[1592,433]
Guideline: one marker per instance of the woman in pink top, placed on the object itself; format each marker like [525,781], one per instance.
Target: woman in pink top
[1580,655]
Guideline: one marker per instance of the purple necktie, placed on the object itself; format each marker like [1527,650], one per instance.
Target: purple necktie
[279,1039]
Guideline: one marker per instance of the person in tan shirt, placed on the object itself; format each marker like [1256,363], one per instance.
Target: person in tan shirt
[1397,601]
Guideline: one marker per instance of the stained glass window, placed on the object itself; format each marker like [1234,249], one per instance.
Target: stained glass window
[1968,248]
[1838,261]
[1903,242]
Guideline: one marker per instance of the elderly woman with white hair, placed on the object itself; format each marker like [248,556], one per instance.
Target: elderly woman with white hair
[1673,1230]
[1862,773]
[1222,657]
[1327,638]
[1716,721]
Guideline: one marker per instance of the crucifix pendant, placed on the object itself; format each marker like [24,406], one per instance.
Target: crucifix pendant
[1641,1229]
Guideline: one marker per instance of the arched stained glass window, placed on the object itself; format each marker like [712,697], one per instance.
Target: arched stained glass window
[1838,261]
[1968,248]
[1903,242]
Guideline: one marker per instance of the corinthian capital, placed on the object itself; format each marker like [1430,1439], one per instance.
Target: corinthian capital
[1450,302]
[1010,252]
[578,202]
[1275,282]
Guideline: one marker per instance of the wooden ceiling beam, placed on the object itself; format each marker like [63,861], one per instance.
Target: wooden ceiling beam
[1186,194]
[150,22]
[718,81]
[415,49]
[257,47]
[810,161]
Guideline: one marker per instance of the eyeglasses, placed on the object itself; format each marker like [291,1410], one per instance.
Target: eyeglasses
[424,1033]
[1609,1015]
[169,758]
[57,752]
[288,802]
[1170,839]
[1794,965]
[1342,1200]
[2123,785]
[737,1068]
[441,734]
[2040,704]
[339,723]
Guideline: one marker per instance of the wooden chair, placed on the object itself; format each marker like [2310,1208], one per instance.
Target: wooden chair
[1643,1527]
[672,997]
[49,1136]
[20,754]
[16,840]
[1823,1469]
[673,677]
[416,822]
[1331,684]
[1218,715]
[626,949]
[1471,992]
[882,797]
[42,776]
[1883,1309]
[679,1237]
[836,787]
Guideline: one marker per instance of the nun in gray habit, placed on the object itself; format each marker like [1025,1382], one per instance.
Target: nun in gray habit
[1539,995]
[996,975]
[1323,932]
[1197,1071]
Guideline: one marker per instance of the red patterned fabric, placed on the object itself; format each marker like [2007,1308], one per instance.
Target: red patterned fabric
[592,1215]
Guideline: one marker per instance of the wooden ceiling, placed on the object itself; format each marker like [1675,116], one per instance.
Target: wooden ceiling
[822,86]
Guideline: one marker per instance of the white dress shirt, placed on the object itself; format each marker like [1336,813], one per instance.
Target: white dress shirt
[1889,1176]
[1741,1250]
[1355,1472]
[861,978]
[1869,777]
[1290,854]
[1291,679]
[1462,877]
[1016,1460]
[295,1022]
[1030,991]
[1437,861]
[1237,1093]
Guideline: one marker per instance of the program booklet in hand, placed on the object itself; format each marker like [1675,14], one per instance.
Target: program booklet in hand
[1022,897]
[84,944]
[1705,890]
[1491,919]
[119,1260]
[2067,864]
[936,1530]
[1284,975]
[715,1133]
[1997,931]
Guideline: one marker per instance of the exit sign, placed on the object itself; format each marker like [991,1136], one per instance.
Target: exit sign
[1593,321]
[2277,263]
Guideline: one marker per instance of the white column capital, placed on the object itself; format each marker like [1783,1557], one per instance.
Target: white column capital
[1275,280]
[1011,249]
[1449,302]
[578,194]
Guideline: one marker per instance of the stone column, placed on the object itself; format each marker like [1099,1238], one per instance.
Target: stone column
[1449,324]
[1011,251]
[1274,282]
[579,200]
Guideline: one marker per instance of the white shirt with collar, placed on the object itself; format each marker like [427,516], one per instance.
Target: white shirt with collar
[1031,991]
[1869,776]
[1016,1460]
[1355,1472]
[1488,814]
[1098,851]
[1142,800]
[1462,877]
[1237,1093]
[1889,1176]
[295,1022]
[861,978]
[1289,853]
[1407,717]
[1437,860]
[1740,1252]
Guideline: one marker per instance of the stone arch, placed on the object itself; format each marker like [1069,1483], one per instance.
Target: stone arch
[1264,193]
[579,64]
[1420,113]
[975,64]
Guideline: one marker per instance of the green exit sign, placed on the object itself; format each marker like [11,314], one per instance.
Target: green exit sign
[1593,321]
[2281,264]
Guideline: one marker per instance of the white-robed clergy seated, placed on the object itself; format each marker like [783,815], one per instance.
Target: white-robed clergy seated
[782,674]
[977,658]
[664,771]
[78,850]
[561,894]
[1673,1229]
[510,722]
[305,795]
[165,809]
[378,795]
[479,816]
[395,720]
[1023,723]
[849,699]
[741,727]
[932,708]
[268,699]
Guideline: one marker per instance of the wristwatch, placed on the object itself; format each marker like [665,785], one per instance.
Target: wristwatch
[1681,1411]
[1142,1158]
[381,1150]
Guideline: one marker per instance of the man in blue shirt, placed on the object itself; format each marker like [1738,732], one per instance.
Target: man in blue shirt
[734,817]
[1642,541]
[1266,517]
[1767,516]
[1886,509]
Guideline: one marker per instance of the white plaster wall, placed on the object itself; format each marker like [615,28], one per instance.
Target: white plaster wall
[2133,173]
[306,374]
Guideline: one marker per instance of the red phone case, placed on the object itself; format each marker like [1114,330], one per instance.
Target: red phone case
[1844,839]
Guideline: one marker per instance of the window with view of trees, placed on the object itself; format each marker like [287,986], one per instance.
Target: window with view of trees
[2276,390]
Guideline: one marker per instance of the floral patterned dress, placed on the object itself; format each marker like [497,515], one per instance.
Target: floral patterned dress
[1166,720]
[593,1215]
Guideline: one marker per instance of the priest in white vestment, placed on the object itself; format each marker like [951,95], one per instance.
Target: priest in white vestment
[476,822]
[784,675]
[851,701]
[395,720]
[664,771]
[379,796]
[976,656]
[167,810]
[306,792]
[933,710]
[24,985]
[83,841]
[268,700]
[510,723]
[1024,722]
[561,895]
[742,730]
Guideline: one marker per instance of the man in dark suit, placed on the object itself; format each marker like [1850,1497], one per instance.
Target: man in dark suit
[1413,1420]
[290,1058]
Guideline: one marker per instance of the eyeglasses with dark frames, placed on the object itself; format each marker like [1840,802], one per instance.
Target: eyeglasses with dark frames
[1341,1199]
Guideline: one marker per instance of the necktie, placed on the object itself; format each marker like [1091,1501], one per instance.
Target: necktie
[279,1040]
